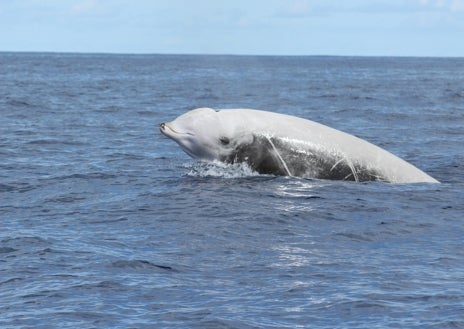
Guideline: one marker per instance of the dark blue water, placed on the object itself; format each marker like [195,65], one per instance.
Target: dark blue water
[106,223]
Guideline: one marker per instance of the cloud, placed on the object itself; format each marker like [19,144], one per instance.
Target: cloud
[447,5]
[457,5]
[298,8]
[86,7]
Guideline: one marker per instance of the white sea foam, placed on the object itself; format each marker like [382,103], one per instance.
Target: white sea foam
[219,169]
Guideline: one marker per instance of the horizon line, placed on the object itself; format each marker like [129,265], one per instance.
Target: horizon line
[213,54]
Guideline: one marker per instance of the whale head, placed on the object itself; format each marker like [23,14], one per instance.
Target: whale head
[205,133]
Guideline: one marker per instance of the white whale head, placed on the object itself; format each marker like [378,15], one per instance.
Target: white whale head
[205,134]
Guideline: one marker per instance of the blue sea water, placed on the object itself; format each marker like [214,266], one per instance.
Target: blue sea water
[105,223]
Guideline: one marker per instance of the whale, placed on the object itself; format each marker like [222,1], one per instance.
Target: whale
[284,145]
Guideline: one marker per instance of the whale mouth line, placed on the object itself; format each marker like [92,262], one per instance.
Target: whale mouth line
[166,128]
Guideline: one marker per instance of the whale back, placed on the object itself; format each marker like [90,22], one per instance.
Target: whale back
[288,145]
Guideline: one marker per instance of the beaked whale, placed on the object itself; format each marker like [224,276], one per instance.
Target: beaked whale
[280,144]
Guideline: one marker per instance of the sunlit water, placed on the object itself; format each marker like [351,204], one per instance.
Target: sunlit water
[107,223]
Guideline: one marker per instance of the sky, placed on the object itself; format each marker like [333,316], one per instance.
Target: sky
[256,27]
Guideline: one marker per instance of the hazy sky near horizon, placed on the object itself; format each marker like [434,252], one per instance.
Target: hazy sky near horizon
[265,27]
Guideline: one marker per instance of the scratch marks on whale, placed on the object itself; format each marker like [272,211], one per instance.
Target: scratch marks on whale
[282,156]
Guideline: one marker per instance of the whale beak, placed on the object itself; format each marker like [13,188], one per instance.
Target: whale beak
[164,129]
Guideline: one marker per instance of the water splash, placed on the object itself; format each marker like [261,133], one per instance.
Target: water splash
[220,170]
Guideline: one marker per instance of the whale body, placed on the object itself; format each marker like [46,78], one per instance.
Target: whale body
[279,144]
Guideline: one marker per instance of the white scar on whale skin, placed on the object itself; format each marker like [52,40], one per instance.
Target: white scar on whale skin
[280,157]
[280,144]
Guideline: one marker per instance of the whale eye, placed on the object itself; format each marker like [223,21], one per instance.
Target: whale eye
[224,140]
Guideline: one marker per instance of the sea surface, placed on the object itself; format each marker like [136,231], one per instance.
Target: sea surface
[106,223]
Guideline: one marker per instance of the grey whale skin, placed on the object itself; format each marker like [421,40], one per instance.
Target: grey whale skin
[280,144]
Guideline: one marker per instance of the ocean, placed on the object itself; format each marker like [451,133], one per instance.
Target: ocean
[106,223]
